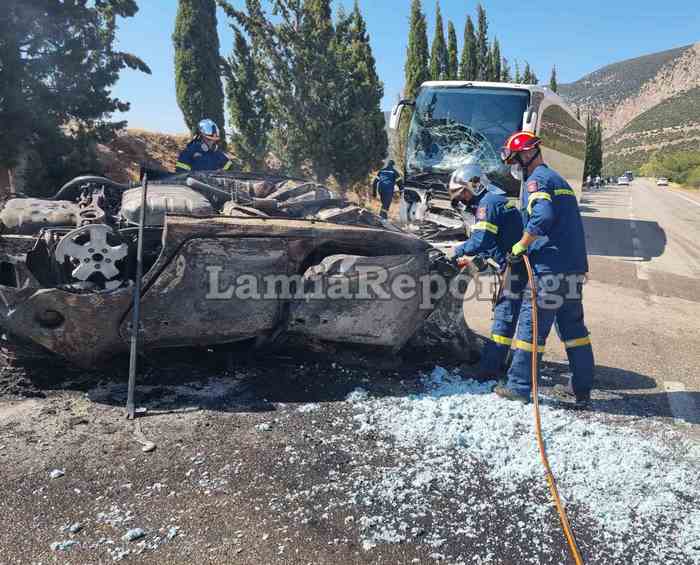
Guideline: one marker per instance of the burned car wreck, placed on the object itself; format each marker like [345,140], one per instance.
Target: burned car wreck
[67,270]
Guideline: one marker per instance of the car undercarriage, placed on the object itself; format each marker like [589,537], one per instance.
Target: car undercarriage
[228,257]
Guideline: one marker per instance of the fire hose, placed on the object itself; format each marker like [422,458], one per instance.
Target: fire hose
[563,518]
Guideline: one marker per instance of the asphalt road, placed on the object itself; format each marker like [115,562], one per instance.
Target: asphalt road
[291,460]
[642,300]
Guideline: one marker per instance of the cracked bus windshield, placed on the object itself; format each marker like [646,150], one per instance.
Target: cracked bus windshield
[451,124]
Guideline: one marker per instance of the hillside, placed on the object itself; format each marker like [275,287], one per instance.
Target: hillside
[122,157]
[672,125]
[620,92]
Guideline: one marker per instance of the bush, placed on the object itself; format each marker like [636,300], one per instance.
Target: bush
[694,178]
[682,167]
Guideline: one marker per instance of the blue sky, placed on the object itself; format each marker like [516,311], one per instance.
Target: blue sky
[578,37]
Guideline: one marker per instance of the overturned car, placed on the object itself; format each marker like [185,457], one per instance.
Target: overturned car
[228,256]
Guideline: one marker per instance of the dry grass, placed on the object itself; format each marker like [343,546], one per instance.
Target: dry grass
[122,158]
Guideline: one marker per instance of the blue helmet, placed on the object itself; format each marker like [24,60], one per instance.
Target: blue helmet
[208,128]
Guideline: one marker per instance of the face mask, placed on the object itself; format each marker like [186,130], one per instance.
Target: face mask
[516,171]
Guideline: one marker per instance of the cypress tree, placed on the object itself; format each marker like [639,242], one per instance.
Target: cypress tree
[438,50]
[415,70]
[529,77]
[198,66]
[468,61]
[518,77]
[553,86]
[593,164]
[452,55]
[319,74]
[249,118]
[360,141]
[483,61]
[416,66]
[505,71]
[496,61]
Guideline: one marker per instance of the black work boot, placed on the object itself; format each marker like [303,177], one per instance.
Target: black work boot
[576,400]
[505,392]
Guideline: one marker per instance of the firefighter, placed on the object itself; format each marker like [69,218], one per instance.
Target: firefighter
[554,240]
[386,179]
[498,226]
[203,153]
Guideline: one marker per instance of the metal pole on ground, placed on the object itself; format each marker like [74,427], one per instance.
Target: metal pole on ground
[136,310]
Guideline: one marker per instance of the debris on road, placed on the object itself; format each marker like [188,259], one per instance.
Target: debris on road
[133,534]
[56,473]
[63,545]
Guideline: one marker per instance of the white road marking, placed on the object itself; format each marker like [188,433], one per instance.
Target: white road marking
[684,197]
[642,273]
[682,404]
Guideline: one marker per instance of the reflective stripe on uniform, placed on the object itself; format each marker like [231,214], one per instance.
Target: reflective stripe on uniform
[487,226]
[564,192]
[228,165]
[501,340]
[527,346]
[578,342]
[181,165]
[511,204]
[536,196]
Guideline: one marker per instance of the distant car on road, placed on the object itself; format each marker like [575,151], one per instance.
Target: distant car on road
[623,181]
[662,181]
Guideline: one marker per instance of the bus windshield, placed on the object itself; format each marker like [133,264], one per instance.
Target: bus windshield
[452,125]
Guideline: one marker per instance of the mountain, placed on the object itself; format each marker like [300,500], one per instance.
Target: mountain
[647,104]
[672,125]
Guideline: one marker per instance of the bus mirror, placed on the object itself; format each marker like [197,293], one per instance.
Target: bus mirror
[530,120]
[396,113]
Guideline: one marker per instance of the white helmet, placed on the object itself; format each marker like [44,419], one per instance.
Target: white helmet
[467,177]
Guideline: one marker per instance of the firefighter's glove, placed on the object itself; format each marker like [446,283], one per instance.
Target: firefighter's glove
[518,250]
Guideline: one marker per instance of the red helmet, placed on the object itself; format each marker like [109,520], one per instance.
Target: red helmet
[518,142]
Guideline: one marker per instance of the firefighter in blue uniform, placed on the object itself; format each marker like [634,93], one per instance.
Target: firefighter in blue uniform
[203,153]
[386,179]
[554,239]
[498,226]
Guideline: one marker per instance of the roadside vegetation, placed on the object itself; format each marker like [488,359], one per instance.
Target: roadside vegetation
[682,167]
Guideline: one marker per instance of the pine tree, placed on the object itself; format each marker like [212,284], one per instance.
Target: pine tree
[553,86]
[452,54]
[300,78]
[58,64]
[496,61]
[468,61]
[518,77]
[249,118]
[198,66]
[505,71]
[438,50]
[483,60]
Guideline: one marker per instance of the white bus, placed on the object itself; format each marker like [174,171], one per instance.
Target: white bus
[453,121]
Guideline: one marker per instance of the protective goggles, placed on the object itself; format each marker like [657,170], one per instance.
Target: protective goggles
[507,155]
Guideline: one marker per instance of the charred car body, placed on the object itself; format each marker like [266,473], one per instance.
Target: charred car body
[454,121]
[67,267]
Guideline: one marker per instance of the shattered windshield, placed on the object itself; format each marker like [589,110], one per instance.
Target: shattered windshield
[450,125]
